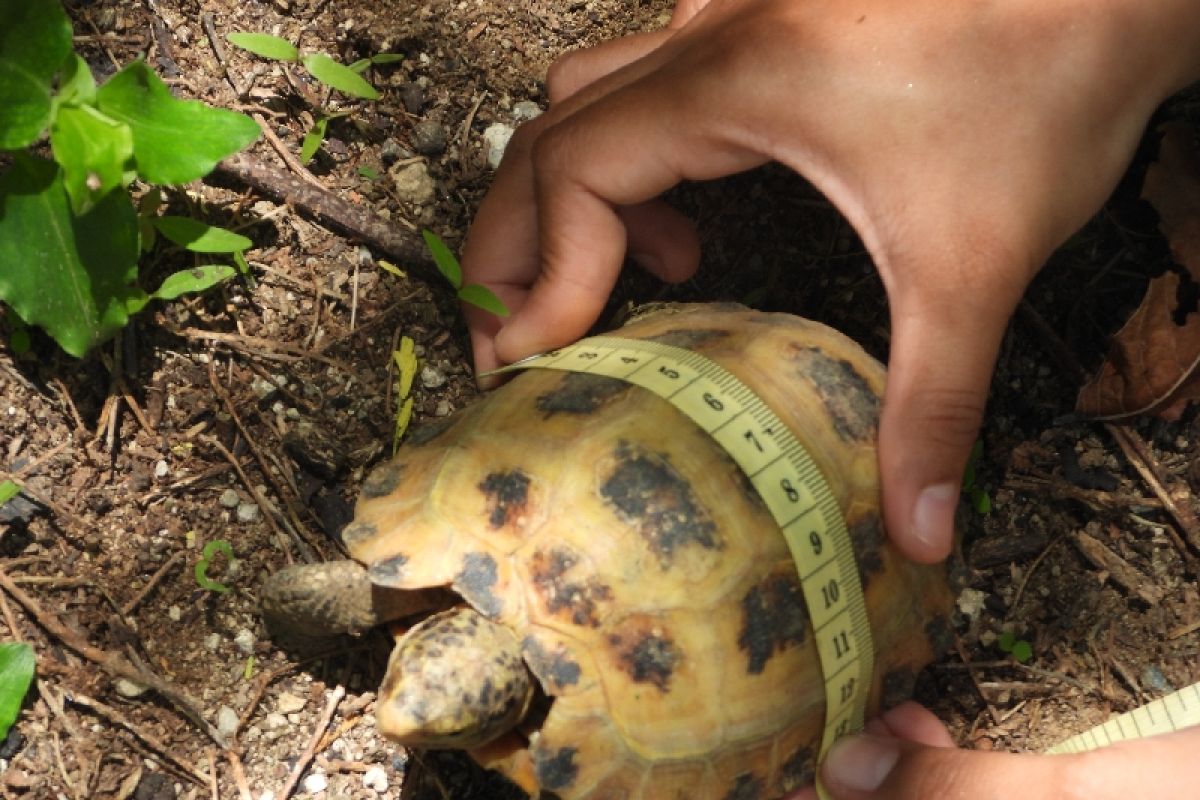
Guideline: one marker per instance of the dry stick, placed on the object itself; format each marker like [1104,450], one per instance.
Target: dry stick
[279,351]
[156,745]
[206,20]
[1135,449]
[1029,573]
[962,653]
[112,663]
[155,579]
[239,775]
[307,756]
[357,222]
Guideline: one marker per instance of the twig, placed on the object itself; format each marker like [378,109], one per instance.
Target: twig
[239,775]
[1029,573]
[112,663]
[280,351]
[962,653]
[206,20]
[1138,453]
[302,763]
[164,751]
[155,579]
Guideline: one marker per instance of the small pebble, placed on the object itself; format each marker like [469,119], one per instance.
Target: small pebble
[244,641]
[495,138]
[227,721]
[161,470]
[443,408]
[275,721]
[128,688]
[212,642]
[289,703]
[174,613]
[315,783]
[413,183]
[525,111]
[375,779]
[429,137]
[413,97]
[432,377]
[230,498]
[247,512]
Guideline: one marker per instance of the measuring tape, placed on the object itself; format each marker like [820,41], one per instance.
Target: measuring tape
[799,499]
[788,481]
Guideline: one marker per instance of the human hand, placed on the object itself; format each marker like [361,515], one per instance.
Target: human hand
[964,142]
[908,755]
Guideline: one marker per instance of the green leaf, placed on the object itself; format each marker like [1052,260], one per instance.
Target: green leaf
[981,500]
[200,237]
[1022,651]
[265,45]
[8,490]
[383,58]
[16,674]
[35,40]
[480,296]
[313,139]
[1006,641]
[174,141]
[76,84]
[339,76]
[95,154]
[446,263]
[71,275]
[206,557]
[370,173]
[197,279]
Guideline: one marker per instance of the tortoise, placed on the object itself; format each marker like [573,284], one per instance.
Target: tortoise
[611,610]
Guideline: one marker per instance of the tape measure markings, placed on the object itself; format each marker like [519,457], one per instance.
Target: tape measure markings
[1142,720]
[786,478]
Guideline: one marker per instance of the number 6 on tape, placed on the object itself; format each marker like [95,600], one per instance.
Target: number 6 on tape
[788,481]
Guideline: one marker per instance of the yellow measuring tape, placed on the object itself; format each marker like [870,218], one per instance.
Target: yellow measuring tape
[788,481]
[799,499]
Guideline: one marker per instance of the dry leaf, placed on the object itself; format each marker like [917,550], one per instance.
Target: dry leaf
[1172,186]
[1152,362]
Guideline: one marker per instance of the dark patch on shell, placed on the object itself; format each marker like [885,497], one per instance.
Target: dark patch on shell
[577,600]
[799,769]
[896,687]
[507,493]
[774,617]
[580,393]
[746,786]
[852,404]
[357,532]
[557,770]
[867,539]
[383,480]
[647,656]
[645,490]
[388,571]
[476,581]
[555,670]
[425,432]
[690,338]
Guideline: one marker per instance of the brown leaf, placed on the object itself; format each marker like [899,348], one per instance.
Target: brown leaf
[1172,186]
[1152,363]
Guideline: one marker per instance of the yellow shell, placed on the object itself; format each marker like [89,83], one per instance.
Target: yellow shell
[654,597]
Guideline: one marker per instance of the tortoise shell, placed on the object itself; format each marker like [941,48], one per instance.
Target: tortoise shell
[653,595]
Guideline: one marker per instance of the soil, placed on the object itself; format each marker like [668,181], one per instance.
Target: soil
[250,414]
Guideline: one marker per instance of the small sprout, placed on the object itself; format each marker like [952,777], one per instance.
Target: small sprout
[475,294]
[406,370]
[981,501]
[16,674]
[1019,649]
[8,490]
[370,173]
[248,670]
[391,268]
[206,557]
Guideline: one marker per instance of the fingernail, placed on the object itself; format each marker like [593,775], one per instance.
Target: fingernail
[861,763]
[933,516]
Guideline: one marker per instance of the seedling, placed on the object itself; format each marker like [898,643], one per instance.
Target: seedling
[16,674]
[8,490]
[70,236]
[476,294]
[1019,649]
[406,370]
[206,556]
[981,501]
[323,68]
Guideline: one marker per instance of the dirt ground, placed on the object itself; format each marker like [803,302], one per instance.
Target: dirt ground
[201,423]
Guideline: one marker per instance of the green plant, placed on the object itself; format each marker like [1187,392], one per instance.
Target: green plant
[476,294]
[1019,649]
[981,501]
[70,236]
[206,556]
[16,674]
[346,79]
[8,490]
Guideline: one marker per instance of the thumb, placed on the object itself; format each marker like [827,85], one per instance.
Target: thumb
[946,332]
[867,767]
